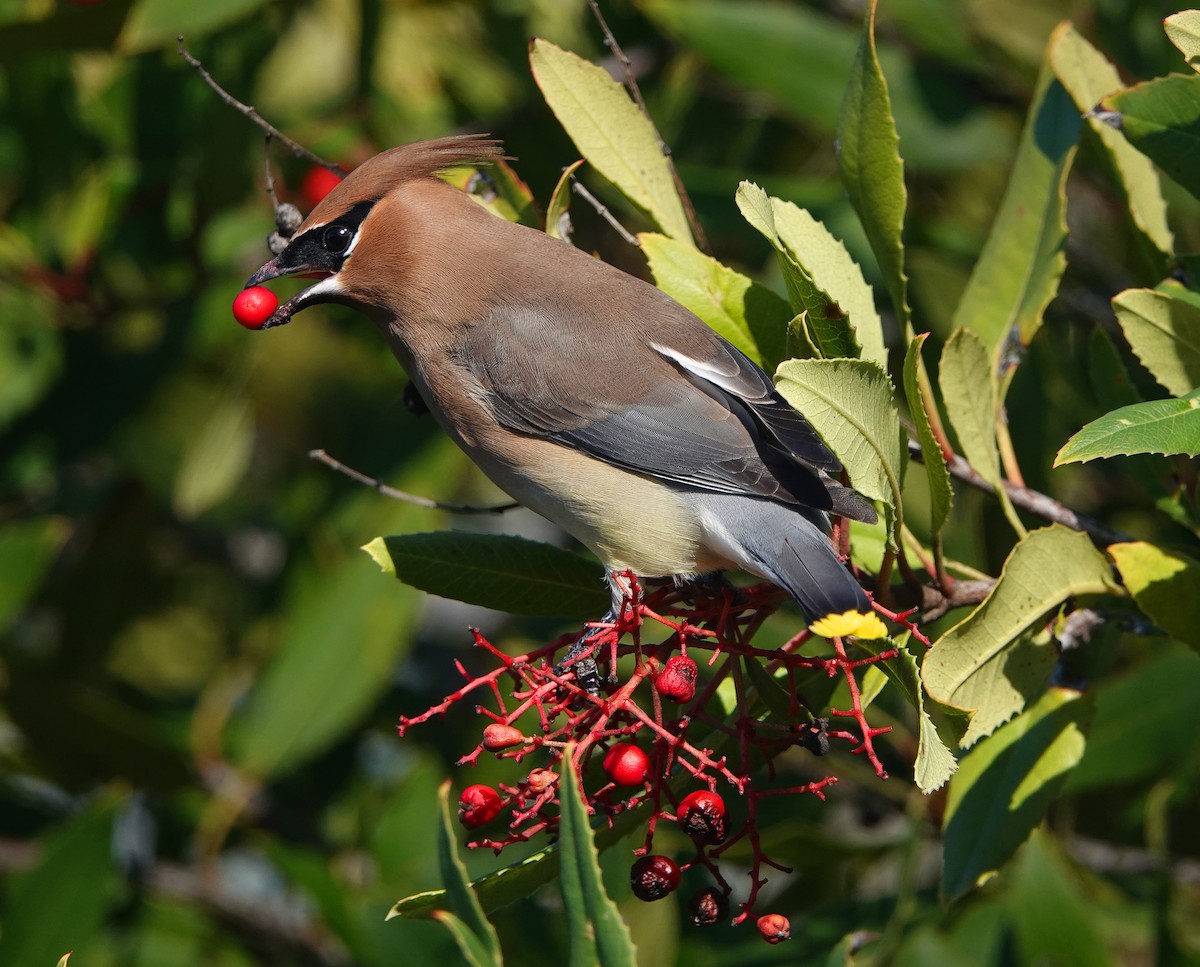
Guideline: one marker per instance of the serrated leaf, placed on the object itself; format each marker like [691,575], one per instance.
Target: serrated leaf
[822,280]
[987,663]
[216,460]
[598,934]
[1087,76]
[870,165]
[851,404]
[1164,333]
[1158,426]
[1166,586]
[500,571]
[968,391]
[750,316]
[1183,30]
[610,132]
[475,935]
[1002,788]
[1022,261]
[935,763]
[558,211]
[1161,118]
[941,494]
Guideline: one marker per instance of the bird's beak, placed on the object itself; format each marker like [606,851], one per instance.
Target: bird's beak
[321,291]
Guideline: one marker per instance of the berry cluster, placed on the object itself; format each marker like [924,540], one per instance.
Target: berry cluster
[651,742]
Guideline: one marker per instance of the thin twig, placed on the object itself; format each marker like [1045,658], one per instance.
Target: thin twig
[1036,503]
[245,109]
[631,84]
[380,487]
[268,178]
[577,187]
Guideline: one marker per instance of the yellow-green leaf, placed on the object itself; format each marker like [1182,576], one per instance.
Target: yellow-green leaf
[941,495]
[1183,30]
[1166,586]
[610,132]
[1164,333]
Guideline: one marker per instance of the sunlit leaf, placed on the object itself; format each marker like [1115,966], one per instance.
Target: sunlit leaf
[610,132]
[558,215]
[1022,261]
[750,316]
[1183,30]
[965,376]
[1157,426]
[941,496]
[1161,118]
[870,164]
[498,571]
[850,403]
[1164,333]
[1002,788]
[1088,76]
[986,663]
[1165,584]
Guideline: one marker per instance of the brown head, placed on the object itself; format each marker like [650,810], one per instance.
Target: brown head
[325,244]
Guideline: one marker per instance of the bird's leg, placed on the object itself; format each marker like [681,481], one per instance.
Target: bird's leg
[580,656]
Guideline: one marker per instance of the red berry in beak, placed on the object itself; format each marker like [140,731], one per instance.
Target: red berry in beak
[254,306]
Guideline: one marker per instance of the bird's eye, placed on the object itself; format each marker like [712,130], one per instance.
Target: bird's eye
[336,239]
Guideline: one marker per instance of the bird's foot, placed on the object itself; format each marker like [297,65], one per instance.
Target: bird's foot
[580,659]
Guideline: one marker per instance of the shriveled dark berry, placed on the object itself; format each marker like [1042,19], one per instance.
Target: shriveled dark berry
[677,681]
[653,877]
[815,736]
[708,906]
[701,815]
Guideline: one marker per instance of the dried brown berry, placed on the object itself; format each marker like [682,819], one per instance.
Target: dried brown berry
[497,737]
[702,816]
[774,928]
[478,806]
[653,877]
[626,764]
[708,907]
[677,681]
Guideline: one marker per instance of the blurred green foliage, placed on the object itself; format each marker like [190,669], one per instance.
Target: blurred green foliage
[200,670]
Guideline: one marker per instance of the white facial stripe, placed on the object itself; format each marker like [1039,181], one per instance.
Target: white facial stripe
[327,286]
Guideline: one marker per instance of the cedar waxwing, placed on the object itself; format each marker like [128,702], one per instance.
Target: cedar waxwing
[587,394]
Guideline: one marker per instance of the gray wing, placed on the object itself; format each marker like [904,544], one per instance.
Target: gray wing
[705,417]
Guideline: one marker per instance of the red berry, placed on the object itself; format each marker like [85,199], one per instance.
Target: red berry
[702,816]
[626,764]
[774,928]
[497,737]
[653,877]
[708,906]
[254,306]
[318,182]
[478,806]
[677,681]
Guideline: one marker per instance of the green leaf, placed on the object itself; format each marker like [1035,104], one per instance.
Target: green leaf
[941,494]
[558,211]
[1161,118]
[1159,426]
[345,632]
[1022,261]
[499,571]
[987,663]
[1002,788]
[499,189]
[750,316]
[870,165]
[62,902]
[1088,76]
[821,278]
[216,459]
[1166,586]
[30,350]
[1183,30]
[156,23]
[968,391]
[598,934]
[609,130]
[475,935]
[1164,333]
[27,549]
[935,763]
[851,404]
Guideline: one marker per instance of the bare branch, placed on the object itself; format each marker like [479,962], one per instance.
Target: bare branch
[577,187]
[631,84]
[246,110]
[380,487]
